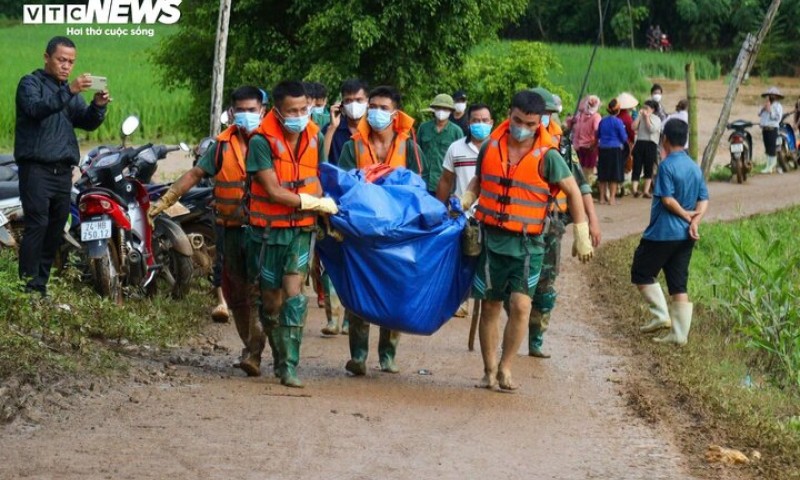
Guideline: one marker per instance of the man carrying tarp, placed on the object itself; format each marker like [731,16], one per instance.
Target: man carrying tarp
[285,192]
[385,137]
[518,167]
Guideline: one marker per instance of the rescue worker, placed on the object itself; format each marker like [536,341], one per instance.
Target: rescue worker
[225,161]
[517,167]
[544,298]
[285,194]
[435,136]
[384,136]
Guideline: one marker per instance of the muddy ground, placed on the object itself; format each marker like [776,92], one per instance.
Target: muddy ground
[187,414]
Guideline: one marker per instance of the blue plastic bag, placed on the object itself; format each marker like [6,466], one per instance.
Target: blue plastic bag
[400,265]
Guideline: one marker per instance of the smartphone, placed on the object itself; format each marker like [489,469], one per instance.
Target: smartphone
[99,84]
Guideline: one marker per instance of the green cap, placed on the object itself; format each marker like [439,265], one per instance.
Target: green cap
[549,101]
[443,100]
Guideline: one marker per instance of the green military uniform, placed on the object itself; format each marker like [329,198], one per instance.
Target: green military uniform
[273,253]
[511,262]
[358,326]
[322,119]
[435,145]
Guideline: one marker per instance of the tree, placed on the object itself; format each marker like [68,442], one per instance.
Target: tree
[626,21]
[415,45]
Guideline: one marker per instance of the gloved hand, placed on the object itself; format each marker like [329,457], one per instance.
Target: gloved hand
[467,200]
[323,205]
[582,244]
[167,200]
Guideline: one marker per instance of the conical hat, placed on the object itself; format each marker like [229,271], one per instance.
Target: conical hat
[627,101]
[774,92]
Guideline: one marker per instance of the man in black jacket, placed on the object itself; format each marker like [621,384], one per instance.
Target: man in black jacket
[46,149]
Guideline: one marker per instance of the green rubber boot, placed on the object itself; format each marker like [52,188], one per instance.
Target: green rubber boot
[359,344]
[289,340]
[536,327]
[345,325]
[333,307]
[387,349]
[268,325]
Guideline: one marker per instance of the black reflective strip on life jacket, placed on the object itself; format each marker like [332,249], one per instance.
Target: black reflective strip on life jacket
[508,200]
[505,217]
[510,182]
[300,183]
[221,184]
[300,215]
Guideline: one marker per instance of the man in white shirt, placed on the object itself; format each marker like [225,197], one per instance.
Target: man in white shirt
[459,162]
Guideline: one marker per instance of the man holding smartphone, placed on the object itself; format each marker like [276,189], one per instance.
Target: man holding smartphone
[46,148]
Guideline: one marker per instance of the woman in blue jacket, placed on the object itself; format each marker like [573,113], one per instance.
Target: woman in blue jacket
[611,139]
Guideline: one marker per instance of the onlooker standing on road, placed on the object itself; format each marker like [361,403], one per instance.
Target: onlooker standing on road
[584,135]
[46,149]
[459,116]
[645,151]
[679,203]
[656,95]
[435,137]
[769,120]
[611,140]
[459,162]
[681,113]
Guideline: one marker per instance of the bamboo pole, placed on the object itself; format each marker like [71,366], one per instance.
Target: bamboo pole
[218,74]
[691,93]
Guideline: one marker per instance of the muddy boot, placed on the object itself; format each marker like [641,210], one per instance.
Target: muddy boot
[359,344]
[333,308]
[654,296]
[268,325]
[251,362]
[387,348]
[681,313]
[220,313]
[289,337]
[536,334]
[345,326]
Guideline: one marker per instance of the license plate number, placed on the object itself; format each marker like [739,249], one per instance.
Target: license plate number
[779,141]
[737,147]
[3,219]
[95,230]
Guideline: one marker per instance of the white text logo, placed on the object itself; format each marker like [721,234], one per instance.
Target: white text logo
[105,12]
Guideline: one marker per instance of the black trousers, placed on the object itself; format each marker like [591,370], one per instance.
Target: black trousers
[45,194]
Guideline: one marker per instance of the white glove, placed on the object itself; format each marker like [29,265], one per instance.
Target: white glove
[322,205]
[582,243]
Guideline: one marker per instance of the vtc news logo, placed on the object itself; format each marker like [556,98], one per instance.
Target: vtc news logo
[105,12]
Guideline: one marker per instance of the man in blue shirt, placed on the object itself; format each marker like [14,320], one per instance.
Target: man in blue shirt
[354,106]
[680,199]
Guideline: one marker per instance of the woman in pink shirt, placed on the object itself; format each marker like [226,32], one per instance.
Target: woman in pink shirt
[584,134]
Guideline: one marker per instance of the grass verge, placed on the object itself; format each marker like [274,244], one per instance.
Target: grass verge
[717,389]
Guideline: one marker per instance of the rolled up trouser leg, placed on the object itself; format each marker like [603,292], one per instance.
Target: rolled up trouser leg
[359,344]
[290,337]
[387,349]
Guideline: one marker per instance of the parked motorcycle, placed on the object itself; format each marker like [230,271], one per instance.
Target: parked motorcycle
[741,147]
[788,155]
[126,253]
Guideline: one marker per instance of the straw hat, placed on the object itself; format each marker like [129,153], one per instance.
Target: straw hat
[774,92]
[627,101]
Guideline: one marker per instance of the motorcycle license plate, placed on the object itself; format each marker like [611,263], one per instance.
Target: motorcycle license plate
[95,230]
[176,210]
[779,141]
[737,147]
[3,219]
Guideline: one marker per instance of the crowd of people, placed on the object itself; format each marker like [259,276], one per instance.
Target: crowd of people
[505,168]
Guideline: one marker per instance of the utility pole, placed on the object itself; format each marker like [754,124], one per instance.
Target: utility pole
[600,10]
[691,93]
[630,18]
[745,61]
[218,74]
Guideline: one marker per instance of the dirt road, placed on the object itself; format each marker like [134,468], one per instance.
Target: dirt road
[202,419]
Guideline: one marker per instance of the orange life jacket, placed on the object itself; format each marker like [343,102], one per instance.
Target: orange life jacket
[230,180]
[397,155]
[555,131]
[514,197]
[297,174]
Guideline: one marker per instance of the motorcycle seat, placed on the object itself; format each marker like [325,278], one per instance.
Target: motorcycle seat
[739,125]
[197,193]
[8,174]
[9,189]
[102,191]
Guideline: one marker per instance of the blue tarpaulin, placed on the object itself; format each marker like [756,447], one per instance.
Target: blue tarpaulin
[400,265]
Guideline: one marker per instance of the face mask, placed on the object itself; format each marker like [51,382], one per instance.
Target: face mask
[379,119]
[521,134]
[296,124]
[318,110]
[355,110]
[657,97]
[560,108]
[441,115]
[247,121]
[546,120]
[461,107]
[479,131]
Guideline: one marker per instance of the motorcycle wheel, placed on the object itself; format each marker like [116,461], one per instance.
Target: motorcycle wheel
[105,274]
[203,258]
[180,266]
[738,170]
[783,157]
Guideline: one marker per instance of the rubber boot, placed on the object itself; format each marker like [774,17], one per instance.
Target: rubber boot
[220,313]
[359,344]
[268,325]
[772,162]
[288,340]
[387,349]
[251,363]
[654,296]
[536,329]
[681,313]
[345,325]
[333,308]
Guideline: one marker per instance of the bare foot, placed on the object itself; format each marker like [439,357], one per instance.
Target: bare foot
[488,381]
[505,381]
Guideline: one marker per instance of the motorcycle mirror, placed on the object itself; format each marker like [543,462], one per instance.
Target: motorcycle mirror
[183,146]
[223,119]
[129,125]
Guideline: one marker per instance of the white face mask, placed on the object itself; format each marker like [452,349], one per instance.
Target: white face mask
[442,115]
[657,97]
[355,110]
[461,107]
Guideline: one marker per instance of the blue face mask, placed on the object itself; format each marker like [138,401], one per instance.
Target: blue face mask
[479,131]
[379,119]
[546,120]
[318,110]
[296,124]
[247,121]
[521,134]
